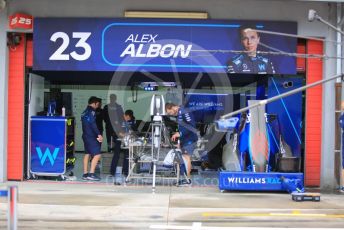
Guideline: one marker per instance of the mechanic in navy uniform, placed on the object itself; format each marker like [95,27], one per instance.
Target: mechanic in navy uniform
[129,125]
[113,118]
[249,61]
[92,138]
[187,134]
[341,122]
[100,116]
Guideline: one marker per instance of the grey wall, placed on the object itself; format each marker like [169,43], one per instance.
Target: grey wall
[284,10]
[3,97]
[327,178]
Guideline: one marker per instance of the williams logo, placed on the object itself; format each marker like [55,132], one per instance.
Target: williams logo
[253,180]
[47,154]
[261,67]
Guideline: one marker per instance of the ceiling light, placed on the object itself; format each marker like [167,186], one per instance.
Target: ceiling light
[165,14]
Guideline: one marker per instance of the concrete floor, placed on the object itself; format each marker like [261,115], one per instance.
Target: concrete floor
[50,204]
[77,205]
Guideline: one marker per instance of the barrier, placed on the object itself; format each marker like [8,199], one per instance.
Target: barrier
[12,197]
[259,181]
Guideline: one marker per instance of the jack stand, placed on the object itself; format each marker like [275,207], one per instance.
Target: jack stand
[297,191]
[305,196]
[156,142]
[154,176]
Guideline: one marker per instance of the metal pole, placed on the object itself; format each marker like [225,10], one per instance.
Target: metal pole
[154,175]
[340,21]
[330,25]
[12,217]
[266,101]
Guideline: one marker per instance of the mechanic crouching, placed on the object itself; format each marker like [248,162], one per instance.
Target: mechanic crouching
[187,135]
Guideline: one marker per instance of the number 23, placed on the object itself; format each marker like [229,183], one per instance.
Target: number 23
[60,56]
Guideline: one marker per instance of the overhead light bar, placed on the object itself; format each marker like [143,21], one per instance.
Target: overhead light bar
[153,86]
[165,14]
[164,84]
[150,88]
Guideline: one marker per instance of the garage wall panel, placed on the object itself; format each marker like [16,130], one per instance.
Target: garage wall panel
[15,111]
[313,116]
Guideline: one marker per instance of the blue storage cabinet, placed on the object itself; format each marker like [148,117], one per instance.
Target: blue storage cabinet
[48,144]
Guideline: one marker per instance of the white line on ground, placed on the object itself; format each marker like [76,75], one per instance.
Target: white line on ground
[198,226]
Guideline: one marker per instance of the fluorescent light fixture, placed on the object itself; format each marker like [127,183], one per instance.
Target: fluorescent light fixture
[156,84]
[165,14]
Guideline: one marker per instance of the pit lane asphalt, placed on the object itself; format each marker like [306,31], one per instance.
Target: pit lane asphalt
[77,205]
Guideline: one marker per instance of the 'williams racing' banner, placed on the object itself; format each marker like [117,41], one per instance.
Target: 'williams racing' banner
[163,45]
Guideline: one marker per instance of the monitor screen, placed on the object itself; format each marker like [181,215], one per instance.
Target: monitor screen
[207,107]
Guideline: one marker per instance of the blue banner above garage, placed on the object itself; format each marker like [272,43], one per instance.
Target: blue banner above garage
[162,45]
